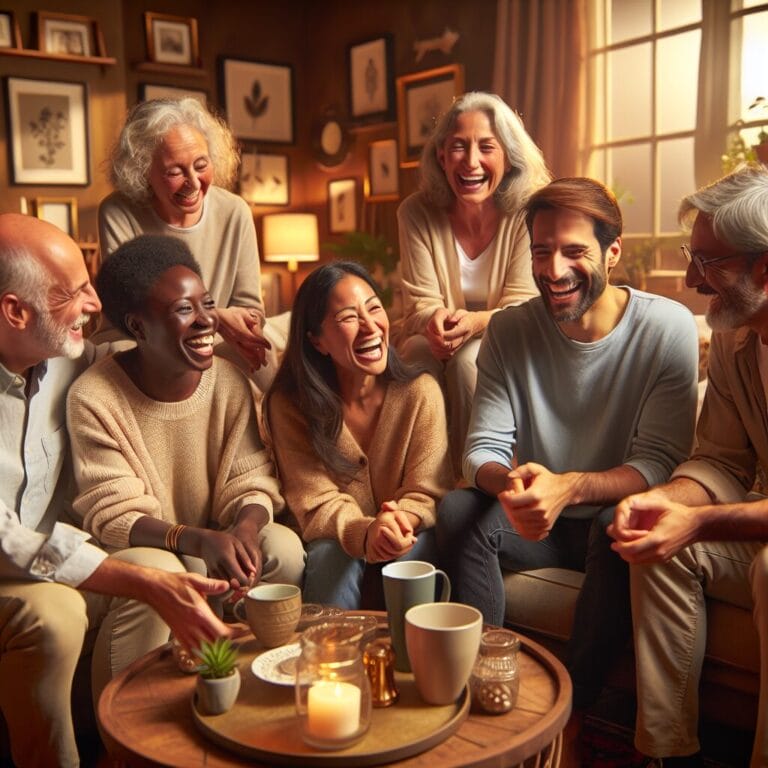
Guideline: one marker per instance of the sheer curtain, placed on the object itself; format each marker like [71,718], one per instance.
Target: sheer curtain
[540,70]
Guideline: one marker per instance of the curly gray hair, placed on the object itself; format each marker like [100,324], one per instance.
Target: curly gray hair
[527,174]
[147,123]
[738,206]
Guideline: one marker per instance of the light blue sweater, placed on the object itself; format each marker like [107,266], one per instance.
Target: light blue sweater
[629,398]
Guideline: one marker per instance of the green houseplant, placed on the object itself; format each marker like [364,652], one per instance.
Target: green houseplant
[218,681]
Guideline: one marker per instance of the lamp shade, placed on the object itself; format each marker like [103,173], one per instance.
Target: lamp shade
[291,237]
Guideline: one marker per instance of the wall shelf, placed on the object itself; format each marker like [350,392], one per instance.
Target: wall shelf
[175,70]
[104,61]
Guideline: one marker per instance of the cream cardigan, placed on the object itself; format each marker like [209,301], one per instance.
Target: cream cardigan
[407,462]
[430,263]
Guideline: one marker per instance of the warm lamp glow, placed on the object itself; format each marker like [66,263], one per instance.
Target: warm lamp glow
[291,238]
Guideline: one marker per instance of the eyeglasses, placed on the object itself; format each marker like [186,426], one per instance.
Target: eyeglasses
[702,264]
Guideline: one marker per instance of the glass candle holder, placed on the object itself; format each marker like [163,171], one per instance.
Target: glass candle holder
[333,694]
[495,679]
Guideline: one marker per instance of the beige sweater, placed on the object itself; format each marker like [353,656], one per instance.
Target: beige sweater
[197,462]
[407,462]
[431,269]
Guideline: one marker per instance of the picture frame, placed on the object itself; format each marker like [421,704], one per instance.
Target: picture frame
[66,34]
[172,39]
[342,205]
[47,129]
[258,99]
[10,36]
[383,171]
[149,91]
[59,211]
[265,179]
[370,64]
[421,98]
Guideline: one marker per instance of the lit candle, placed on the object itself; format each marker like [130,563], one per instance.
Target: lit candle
[333,710]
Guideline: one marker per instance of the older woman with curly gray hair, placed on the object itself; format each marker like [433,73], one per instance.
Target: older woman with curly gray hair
[170,166]
[464,246]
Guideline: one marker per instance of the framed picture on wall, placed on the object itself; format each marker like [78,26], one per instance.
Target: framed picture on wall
[371,81]
[68,35]
[171,39]
[152,91]
[264,179]
[47,131]
[59,211]
[342,205]
[421,98]
[258,99]
[383,170]
[10,37]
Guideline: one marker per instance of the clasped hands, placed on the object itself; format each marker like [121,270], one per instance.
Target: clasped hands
[446,332]
[390,535]
[242,328]
[534,497]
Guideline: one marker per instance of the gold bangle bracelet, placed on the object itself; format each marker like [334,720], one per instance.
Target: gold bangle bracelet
[172,537]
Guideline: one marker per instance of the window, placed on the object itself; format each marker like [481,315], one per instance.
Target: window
[644,61]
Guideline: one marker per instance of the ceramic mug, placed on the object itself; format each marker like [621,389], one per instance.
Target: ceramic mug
[442,641]
[408,583]
[272,612]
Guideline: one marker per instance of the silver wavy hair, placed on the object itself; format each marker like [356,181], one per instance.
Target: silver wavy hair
[527,174]
[738,207]
[147,123]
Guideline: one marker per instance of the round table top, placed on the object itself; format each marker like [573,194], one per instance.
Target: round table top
[146,717]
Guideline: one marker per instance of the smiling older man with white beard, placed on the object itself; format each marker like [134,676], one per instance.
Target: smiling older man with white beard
[54,584]
[585,394]
[701,533]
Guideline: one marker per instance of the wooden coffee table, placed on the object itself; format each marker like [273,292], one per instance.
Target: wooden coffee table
[146,720]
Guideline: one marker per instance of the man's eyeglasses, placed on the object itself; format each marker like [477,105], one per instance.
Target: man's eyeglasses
[698,262]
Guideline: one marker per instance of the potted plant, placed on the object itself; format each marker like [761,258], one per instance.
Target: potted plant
[218,681]
[760,105]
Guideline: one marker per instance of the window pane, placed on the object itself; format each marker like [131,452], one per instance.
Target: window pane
[676,180]
[630,18]
[631,181]
[630,72]
[677,81]
[754,62]
[598,99]
[676,13]
[596,165]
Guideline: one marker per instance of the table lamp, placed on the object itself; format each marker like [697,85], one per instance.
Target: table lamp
[291,238]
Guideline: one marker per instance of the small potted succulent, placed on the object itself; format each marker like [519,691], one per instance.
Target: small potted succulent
[760,105]
[218,681]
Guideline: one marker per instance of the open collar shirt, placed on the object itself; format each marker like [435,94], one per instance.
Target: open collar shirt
[35,478]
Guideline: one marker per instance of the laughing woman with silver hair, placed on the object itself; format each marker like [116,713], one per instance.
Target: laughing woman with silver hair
[170,166]
[464,246]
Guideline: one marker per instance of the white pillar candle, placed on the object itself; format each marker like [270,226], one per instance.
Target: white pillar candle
[23,205]
[333,710]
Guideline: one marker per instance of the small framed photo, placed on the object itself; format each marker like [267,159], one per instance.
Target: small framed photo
[342,205]
[10,37]
[371,81]
[47,131]
[383,170]
[258,98]
[59,211]
[68,35]
[421,98]
[171,39]
[264,179]
[149,91]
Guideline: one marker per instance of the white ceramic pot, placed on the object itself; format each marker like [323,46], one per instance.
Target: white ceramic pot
[217,695]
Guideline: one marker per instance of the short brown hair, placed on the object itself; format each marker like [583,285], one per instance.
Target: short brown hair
[581,195]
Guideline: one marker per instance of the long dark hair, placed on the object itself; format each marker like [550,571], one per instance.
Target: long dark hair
[309,378]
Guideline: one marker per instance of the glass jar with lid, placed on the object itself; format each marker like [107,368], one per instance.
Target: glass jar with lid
[495,679]
[333,694]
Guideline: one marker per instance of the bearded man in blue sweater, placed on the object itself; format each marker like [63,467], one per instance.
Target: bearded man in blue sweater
[585,394]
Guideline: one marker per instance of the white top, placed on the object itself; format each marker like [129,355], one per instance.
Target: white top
[475,274]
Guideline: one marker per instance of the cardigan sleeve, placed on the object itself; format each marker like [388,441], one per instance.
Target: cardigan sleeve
[246,291]
[323,509]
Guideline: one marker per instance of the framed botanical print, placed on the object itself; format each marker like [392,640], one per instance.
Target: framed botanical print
[171,39]
[383,171]
[342,205]
[371,81]
[264,179]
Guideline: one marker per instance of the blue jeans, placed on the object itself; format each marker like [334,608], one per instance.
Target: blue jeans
[332,577]
[476,541]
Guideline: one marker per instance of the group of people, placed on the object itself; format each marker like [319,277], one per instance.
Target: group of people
[529,414]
